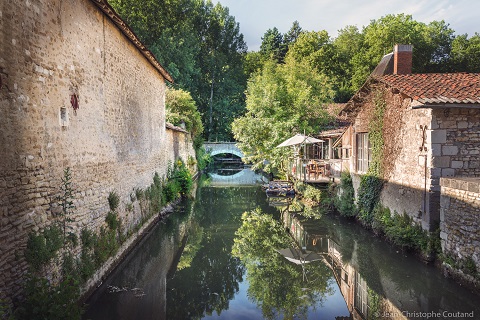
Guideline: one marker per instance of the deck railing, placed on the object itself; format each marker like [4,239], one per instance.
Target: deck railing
[314,170]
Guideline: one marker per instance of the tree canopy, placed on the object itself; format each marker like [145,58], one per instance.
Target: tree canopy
[201,46]
[181,108]
[291,77]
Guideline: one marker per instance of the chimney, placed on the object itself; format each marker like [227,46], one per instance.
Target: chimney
[402,61]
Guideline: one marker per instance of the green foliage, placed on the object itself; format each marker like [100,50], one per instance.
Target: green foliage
[313,194]
[66,203]
[469,266]
[371,184]
[203,158]
[466,264]
[112,220]
[368,197]
[47,301]
[171,190]
[281,100]
[139,194]
[113,200]
[183,176]
[43,247]
[106,245]
[401,230]
[181,108]
[466,53]
[200,45]
[345,202]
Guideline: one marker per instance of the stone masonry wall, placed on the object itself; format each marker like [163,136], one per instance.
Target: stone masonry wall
[460,216]
[407,170]
[116,140]
[456,142]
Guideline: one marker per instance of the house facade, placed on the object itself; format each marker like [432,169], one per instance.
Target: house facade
[78,90]
[430,125]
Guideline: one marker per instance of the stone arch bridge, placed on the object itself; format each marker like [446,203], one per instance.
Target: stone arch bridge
[215,148]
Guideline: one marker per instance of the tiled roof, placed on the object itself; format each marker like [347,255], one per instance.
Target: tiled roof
[437,88]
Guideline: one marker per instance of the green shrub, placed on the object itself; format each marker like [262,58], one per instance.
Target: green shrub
[171,190]
[313,194]
[382,219]
[43,247]
[112,220]
[406,234]
[43,300]
[345,202]
[204,159]
[113,200]
[105,246]
[469,266]
[368,197]
[183,176]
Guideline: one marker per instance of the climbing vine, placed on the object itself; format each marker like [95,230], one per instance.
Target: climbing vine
[371,183]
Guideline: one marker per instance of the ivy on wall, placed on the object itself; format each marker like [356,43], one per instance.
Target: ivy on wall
[371,183]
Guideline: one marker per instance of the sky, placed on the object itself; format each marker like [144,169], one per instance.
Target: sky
[257,16]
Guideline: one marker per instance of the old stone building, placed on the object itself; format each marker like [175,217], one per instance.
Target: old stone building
[430,125]
[77,89]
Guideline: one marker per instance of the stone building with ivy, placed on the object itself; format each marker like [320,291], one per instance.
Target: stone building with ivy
[78,90]
[412,133]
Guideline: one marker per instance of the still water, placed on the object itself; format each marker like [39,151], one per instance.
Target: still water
[209,260]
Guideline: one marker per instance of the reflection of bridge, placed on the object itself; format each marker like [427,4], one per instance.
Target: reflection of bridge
[215,148]
[243,177]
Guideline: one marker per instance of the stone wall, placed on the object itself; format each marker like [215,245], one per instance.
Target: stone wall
[409,184]
[53,52]
[456,142]
[460,216]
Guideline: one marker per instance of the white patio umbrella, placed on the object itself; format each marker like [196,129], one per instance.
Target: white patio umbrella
[299,139]
[298,257]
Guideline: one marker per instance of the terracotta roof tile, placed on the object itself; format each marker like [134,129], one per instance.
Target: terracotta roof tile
[437,88]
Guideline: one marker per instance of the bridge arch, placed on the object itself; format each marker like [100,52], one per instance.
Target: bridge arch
[215,148]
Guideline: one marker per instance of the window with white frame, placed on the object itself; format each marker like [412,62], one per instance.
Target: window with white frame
[363,152]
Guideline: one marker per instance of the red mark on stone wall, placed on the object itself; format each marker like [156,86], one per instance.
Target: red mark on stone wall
[74,102]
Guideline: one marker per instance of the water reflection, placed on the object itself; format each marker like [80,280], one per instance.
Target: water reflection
[376,281]
[220,257]
[281,288]
[137,289]
[212,279]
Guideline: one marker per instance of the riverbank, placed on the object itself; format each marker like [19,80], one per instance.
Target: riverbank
[124,250]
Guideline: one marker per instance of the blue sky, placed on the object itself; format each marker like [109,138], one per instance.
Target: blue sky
[257,16]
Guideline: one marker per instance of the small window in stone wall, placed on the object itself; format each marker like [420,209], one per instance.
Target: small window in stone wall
[63,117]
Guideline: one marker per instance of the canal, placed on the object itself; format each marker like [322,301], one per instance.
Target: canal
[231,253]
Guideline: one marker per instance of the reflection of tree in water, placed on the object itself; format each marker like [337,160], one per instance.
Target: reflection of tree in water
[277,285]
[193,244]
[192,295]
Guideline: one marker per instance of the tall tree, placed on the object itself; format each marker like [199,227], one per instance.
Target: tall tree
[282,99]
[291,36]
[272,45]
[200,44]
[466,53]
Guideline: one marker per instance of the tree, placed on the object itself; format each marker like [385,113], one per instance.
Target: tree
[292,35]
[466,53]
[181,108]
[201,46]
[277,285]
[272,45]
[281,100]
